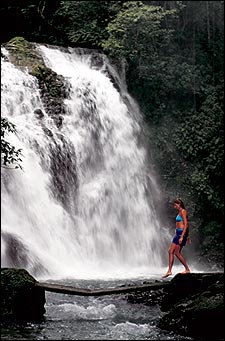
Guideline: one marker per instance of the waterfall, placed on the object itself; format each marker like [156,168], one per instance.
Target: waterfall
[83,204]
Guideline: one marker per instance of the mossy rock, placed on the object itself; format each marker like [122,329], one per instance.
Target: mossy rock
[51,81]
[23,53]
[53,87]
[20,298]
[19,43]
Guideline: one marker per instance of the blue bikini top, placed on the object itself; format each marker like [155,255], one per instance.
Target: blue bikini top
[179,218]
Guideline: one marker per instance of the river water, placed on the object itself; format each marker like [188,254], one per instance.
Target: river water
[108,317]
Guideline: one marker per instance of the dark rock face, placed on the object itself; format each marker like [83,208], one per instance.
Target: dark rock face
[53,89]
[184,286]
[20,298]
[64,172]
[194,305]
[18,254]
[191,304]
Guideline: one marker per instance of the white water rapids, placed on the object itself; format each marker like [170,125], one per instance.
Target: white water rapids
[81,207]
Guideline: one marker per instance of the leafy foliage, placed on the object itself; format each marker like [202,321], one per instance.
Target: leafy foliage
[136,32]
[139,35]
[200,138]
[10,156]
[86,20]
[211,234]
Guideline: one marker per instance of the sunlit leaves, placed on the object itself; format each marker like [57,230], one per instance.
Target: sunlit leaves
[137,31]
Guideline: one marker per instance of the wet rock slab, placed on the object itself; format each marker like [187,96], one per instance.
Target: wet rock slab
[191,305]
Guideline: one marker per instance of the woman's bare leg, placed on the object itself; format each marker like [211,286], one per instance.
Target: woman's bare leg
[178,254]
[171,260]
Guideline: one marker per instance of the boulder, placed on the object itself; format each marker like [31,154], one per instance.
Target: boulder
[193,305]
[20,298]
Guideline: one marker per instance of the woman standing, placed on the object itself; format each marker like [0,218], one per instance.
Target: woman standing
[180,238]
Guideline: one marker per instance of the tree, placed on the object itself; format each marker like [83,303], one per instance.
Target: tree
[141,35]
[85,22]
[10,156]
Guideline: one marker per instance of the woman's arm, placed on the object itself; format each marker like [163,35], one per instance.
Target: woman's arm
[184,217]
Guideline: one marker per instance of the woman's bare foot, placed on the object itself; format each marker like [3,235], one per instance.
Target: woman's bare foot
[185,272]
[167,274]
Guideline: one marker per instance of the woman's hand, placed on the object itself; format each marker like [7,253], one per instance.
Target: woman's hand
[180,240]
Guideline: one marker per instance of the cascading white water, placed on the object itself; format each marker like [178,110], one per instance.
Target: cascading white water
[81,207]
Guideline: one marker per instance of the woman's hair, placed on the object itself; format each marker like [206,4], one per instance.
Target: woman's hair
[180,202]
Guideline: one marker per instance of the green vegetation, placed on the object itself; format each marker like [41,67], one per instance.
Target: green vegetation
[22,52]
[10,156]
[95,14]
